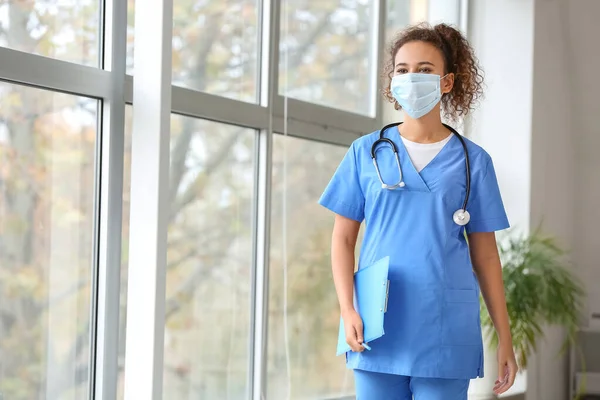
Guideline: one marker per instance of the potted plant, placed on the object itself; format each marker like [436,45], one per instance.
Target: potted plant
[540,290]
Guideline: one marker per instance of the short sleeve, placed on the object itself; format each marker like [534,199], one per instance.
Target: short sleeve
[343,195]
[485,205]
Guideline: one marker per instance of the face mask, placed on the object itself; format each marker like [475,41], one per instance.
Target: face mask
[417,94]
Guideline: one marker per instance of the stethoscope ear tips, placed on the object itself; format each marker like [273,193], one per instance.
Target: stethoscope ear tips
[461,217]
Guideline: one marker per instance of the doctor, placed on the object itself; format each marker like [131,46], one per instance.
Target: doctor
[432,345]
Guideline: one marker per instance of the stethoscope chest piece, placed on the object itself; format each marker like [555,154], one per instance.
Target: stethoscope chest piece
[461,217]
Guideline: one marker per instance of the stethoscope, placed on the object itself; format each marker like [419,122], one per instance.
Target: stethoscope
[461,216]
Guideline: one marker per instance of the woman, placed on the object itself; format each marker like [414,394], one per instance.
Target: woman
[432,345]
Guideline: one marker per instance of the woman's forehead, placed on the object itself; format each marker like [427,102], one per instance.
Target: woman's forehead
[418,52]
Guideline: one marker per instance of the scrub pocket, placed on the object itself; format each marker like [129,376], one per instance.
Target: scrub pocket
[460,318]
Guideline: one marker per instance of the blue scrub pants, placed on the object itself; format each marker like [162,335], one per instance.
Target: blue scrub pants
[378,386]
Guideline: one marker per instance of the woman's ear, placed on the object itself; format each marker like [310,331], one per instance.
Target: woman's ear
[447,83]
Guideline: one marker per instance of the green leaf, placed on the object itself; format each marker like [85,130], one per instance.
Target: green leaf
[540,288]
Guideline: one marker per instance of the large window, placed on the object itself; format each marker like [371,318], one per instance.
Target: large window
[208,260]
[326,53]
[303,307]
[67,30]
[264,99]
[215,46]
[47,179]
[209,251]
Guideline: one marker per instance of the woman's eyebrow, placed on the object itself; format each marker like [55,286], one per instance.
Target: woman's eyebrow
[419,63]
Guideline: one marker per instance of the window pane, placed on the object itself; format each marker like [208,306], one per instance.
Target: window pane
[67,30]
[47,162]
[326,53]
[401,13]
[209,259]
[215,46]
[312,305]
[130,35]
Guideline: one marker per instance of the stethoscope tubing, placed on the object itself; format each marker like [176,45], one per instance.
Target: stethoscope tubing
[383,139]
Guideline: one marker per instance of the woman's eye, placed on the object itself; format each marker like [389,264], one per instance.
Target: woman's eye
[425,70]
[401,71]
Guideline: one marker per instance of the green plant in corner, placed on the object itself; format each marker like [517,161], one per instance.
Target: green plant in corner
[540,290]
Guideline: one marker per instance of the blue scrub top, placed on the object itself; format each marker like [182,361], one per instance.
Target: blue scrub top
[432,325]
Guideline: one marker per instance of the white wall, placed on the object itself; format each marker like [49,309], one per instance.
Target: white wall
[583,51]
[565,162]
[539,122]
[502,32]
[553,173]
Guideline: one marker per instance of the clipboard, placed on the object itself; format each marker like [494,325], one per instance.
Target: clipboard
[371,291]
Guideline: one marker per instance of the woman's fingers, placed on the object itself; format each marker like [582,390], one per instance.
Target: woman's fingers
[508,378]
[354,331]
[354,345]
[359,332]
[502,378]
[352,339]
[358,339]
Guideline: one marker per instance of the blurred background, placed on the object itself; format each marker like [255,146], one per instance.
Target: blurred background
[266,96]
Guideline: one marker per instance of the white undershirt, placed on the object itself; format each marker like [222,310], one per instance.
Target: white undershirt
[421,154]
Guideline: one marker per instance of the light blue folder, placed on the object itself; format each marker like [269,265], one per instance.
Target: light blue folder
[371,287]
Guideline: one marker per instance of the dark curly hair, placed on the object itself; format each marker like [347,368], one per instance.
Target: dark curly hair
[459,59]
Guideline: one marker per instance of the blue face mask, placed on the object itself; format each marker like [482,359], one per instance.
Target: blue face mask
[417,94]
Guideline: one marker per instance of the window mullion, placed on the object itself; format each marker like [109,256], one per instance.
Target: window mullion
[149,202]
[105,347]
[262,212]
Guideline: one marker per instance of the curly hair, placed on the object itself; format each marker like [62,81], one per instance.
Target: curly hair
[459,59]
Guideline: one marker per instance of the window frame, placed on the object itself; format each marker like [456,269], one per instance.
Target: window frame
[114,89]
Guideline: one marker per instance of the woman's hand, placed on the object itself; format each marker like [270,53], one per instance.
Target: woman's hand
[507,368]
[353,326]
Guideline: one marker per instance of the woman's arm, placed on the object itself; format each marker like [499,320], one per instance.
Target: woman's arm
[486,262]
[343,243]
[488,269]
